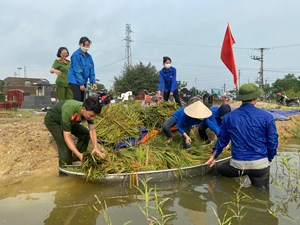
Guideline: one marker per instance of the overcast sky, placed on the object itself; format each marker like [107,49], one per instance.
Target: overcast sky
[190,32]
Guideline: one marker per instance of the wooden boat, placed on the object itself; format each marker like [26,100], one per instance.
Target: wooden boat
[156,175]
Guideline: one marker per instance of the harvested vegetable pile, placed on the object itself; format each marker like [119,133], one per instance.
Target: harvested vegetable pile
[116,122]
[119,121]
[155,116]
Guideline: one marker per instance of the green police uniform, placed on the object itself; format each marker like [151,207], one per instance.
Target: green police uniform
[65,116]
[63,91]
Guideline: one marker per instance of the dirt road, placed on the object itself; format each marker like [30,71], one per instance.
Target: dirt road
[26,146]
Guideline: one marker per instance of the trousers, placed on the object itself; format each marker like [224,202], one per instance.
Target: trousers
[65,156]
[176,97]
[77,93]
[63,93]
[167,129]
[258,177]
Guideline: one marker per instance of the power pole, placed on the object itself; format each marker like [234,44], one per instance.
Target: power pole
[19,71]
[128,40]
[239,78]
[261,72]
[25,71]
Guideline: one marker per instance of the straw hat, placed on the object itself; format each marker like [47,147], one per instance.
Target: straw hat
[197,110]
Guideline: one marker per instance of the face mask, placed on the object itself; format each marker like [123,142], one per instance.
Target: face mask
[167,65]
[84,49]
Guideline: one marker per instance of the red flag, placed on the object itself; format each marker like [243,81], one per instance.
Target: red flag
[227,54]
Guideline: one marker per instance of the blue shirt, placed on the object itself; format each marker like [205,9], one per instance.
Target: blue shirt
[168,78]
[252,132]
[82,69]
[183,120]
[214,121]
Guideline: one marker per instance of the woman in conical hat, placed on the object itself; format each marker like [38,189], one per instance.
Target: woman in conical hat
[184,119]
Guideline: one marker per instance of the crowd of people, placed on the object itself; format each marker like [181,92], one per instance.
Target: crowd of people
[251,131]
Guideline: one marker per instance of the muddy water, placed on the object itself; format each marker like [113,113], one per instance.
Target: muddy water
[53,200]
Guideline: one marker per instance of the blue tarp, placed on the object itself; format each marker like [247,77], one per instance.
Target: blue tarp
[130,141]
[283,115]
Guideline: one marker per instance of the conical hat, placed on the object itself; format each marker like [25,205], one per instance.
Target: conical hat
[197,110]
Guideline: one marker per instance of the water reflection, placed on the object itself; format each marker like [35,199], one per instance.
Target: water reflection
[53,200]
[198,198]
[77,206]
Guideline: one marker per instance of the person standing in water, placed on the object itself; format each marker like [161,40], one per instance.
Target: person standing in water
[253,134]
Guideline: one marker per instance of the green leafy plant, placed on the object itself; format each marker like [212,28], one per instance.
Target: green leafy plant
[159,218]
[236,211]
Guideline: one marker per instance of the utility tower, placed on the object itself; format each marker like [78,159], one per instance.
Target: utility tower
[261,72]
[128,40]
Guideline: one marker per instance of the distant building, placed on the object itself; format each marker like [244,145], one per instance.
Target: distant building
[30,86]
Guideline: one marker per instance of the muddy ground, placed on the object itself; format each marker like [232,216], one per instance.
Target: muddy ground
[27,148]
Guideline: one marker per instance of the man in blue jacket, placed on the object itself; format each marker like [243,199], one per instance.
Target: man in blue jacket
[254,139]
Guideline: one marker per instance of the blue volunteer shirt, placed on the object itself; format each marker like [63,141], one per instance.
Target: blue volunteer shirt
[214,121]
[82,69]
[183,120]
[168,79]
[252,132]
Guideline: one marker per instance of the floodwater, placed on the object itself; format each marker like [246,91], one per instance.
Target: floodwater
[53,200]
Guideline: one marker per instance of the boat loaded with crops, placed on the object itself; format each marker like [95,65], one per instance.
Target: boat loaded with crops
[136,148]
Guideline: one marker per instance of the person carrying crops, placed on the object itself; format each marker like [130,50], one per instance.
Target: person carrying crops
[64,119]
[184,119]
[167,78]
[254,139]
[213,122]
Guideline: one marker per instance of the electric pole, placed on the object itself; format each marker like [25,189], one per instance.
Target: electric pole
[19,71]
[128,40]
[25,71]
[239,78]
[261,72]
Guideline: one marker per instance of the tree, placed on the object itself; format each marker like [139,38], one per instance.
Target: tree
[290,85]
[181,84]
[268,91]
[1,85]
[137,78]
[100,87]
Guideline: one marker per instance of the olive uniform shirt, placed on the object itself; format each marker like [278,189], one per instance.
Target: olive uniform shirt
[67,113]
[63,67]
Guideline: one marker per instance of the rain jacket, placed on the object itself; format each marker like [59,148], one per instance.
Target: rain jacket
[82,69]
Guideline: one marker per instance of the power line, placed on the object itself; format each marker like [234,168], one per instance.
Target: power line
[112,63]
[192,44]
[286,46]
